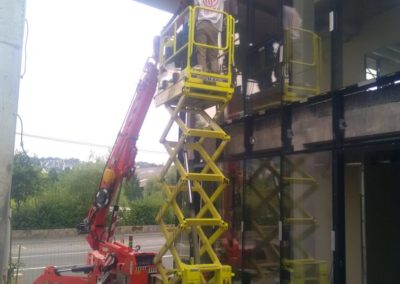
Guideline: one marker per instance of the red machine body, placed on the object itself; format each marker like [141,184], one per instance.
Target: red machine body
[110,261]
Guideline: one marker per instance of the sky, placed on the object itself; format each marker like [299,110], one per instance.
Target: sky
[83,61]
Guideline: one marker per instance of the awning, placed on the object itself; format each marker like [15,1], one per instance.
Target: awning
[166,5]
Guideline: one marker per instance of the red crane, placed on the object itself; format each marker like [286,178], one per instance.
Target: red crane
[111,261]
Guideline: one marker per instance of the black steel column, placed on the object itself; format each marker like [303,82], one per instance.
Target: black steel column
[338,128]
[246,38]
[248,41]
[250,21]
[287,149]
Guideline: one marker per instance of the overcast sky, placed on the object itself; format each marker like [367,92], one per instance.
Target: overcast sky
[83,61]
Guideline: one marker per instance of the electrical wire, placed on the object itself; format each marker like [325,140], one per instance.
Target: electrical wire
[81,143]
[22,135]
[25,49]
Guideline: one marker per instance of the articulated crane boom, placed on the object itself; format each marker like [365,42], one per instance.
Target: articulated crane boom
[121,162]
[111,261]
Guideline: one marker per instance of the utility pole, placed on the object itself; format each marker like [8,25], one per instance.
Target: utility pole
[12,18]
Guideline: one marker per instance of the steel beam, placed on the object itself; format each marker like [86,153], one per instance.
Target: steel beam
[338,129]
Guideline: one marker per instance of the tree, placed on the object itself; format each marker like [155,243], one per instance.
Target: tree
[132,190]
[82,183]
[171,176]
[53,175]
[63,203]
[152,186]
[26,180]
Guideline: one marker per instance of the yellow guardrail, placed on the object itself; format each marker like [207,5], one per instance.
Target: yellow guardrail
[170,36]
[178,44]
[309,68]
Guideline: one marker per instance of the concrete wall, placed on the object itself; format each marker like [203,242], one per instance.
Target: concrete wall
[311,123]
[267,133]
[373,112]
[236,145]
[368,113]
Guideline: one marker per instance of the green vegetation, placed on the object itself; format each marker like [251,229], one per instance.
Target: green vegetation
[61,198]
[27,179]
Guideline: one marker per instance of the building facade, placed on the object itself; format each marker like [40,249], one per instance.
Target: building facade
[313,160]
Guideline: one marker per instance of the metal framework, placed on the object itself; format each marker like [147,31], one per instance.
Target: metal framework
[192,94]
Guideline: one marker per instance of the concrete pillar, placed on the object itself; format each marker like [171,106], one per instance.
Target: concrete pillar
[12,16]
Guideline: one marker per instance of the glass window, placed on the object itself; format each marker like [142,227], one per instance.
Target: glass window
[306,60]
[231,243]
[371,46]
[307,218]
[287,53]
[261,222]
[263,85]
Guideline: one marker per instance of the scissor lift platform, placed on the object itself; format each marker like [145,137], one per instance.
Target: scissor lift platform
[187,92]
[199,92]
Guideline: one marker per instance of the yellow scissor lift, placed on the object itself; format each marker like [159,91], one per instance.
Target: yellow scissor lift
[187,94]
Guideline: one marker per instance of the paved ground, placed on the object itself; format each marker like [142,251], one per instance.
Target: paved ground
[36,254]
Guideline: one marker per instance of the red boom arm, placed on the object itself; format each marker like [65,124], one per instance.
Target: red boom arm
[121,162]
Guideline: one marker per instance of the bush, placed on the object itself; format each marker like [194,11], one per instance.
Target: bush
[64,198]
[144,212]
[49,211]
[64,203]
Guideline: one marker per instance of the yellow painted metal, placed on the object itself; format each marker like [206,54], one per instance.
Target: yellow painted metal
[213,86]
[108,176]
[303,271]
[190,94]
[310,84]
